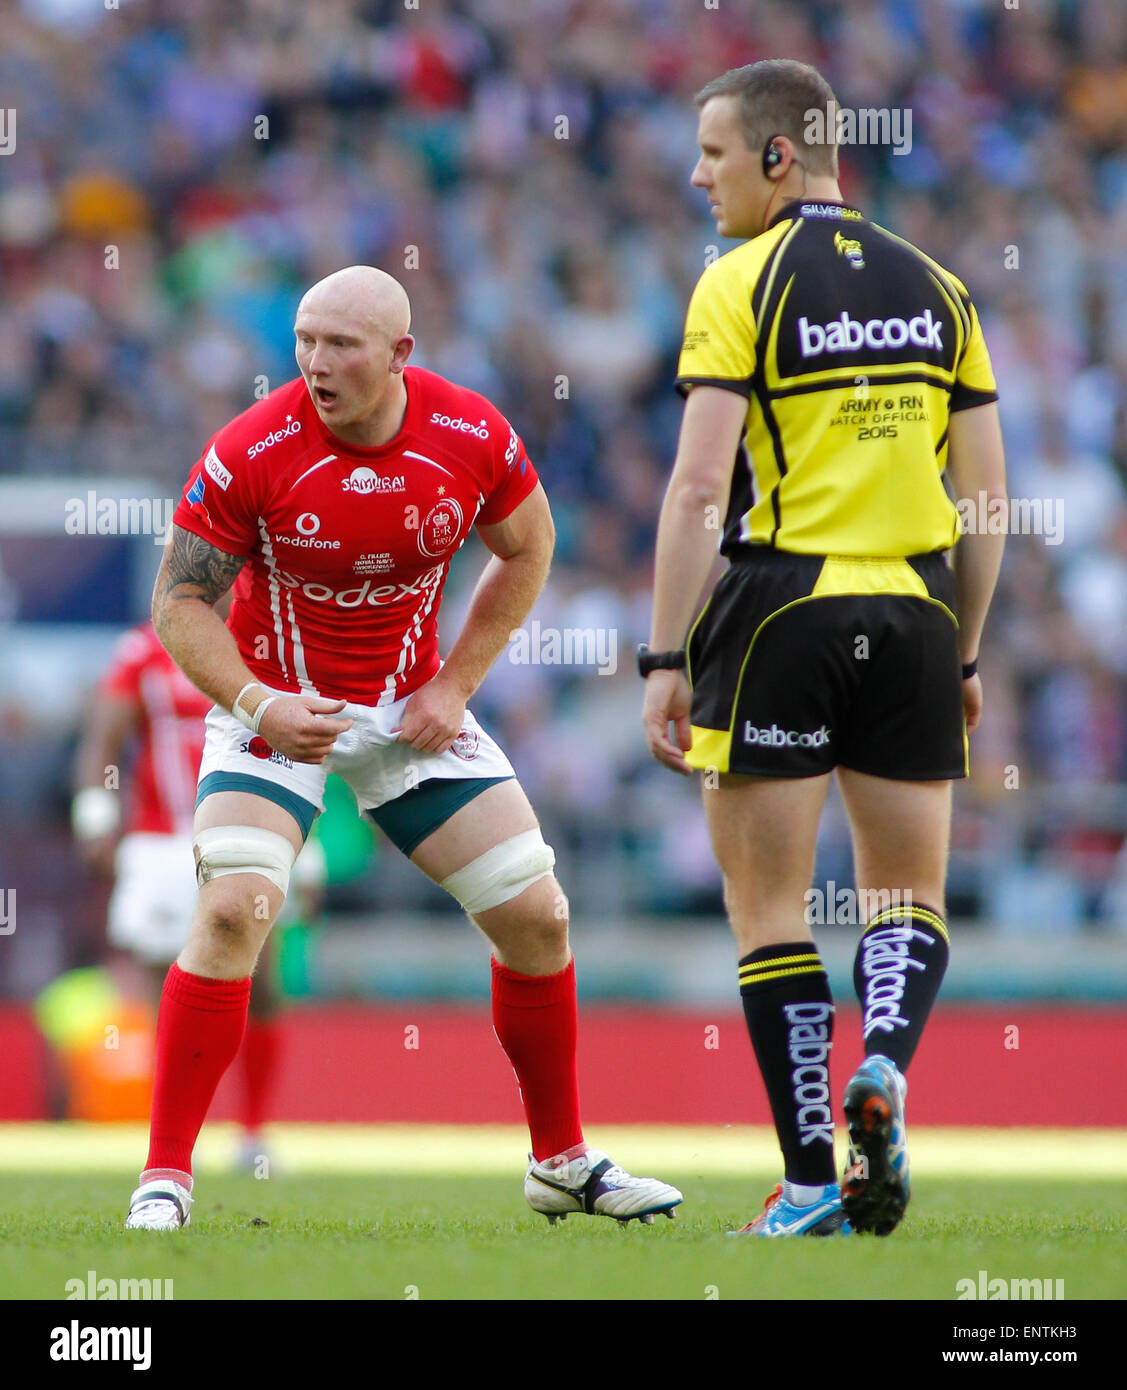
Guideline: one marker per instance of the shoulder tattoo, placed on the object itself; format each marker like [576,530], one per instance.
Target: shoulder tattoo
[205,571]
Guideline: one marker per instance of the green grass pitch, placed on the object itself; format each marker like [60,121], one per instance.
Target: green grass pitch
[343,1216]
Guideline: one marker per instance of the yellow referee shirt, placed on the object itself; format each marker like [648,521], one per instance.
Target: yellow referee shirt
[853,348]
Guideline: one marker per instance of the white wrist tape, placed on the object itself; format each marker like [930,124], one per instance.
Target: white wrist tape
[94,812]
[252,721]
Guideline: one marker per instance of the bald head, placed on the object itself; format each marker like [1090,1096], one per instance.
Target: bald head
[368,296]
[352,344]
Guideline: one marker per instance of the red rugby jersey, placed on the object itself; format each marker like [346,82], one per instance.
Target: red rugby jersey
[170,728]
[348,548]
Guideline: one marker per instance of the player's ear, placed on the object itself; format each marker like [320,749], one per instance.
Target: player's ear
[400,351]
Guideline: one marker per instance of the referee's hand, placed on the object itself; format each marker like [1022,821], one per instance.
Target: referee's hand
[972,702]
[669,699]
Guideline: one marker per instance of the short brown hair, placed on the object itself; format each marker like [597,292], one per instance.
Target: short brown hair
[775,97]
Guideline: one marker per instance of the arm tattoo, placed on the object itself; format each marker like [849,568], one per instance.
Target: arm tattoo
[206,571]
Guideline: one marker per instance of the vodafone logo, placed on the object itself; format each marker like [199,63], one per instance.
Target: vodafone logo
[307,542]
[308,524]
[367,480]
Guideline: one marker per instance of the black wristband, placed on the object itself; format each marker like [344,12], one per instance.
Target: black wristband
[970,669]
[659,661]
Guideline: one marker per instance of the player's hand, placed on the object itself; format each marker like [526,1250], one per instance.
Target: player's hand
[301,726]
[669,699]
[972,702]
[433,716]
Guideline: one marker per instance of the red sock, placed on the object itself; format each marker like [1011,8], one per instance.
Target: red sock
[259,1059]
[536,1022]
[199,1028]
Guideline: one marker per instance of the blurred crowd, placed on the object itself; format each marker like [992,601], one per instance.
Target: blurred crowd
[183,169]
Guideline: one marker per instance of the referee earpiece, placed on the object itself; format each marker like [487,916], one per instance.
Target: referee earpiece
[772,157]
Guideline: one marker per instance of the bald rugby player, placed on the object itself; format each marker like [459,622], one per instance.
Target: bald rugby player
[334,507]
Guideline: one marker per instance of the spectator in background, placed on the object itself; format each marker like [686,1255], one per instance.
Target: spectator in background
[541,249]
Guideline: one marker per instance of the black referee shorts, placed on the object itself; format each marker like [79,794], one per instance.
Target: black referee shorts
[803,663]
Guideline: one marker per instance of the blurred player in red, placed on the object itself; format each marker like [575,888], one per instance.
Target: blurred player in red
[334,507]
[145,701]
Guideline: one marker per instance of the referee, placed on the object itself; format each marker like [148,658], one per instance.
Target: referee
[832,373]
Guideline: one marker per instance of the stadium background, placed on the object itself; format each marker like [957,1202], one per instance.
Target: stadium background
[429,142]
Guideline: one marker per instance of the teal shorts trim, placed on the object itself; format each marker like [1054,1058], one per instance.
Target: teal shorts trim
[304,812]
[409,819]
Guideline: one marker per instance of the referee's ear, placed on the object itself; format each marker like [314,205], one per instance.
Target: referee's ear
[778,159]
[773,157]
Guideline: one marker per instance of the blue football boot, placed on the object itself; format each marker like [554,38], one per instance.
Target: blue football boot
[780,1218]
[875,1189]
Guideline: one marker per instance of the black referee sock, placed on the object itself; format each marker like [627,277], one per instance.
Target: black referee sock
[901,958]
[789,1012]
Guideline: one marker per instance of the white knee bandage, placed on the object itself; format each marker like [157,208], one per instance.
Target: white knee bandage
[243,849]
[501,873]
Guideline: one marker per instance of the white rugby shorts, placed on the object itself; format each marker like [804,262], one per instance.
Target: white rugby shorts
[368,756]
[154,896]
